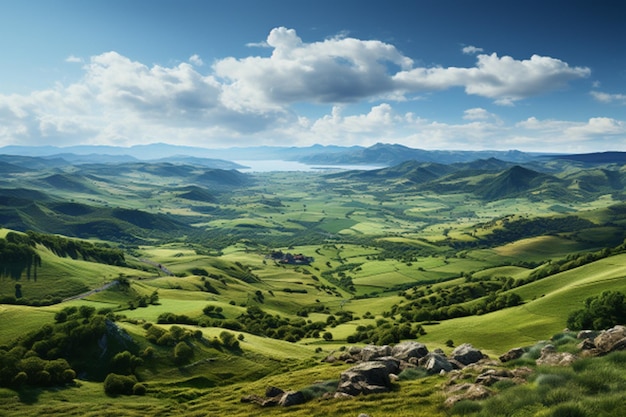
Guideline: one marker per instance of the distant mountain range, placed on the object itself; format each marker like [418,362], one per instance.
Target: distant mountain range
[378,154]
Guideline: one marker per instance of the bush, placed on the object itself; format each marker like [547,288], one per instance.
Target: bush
[115,384]
[139,389]
[182,353]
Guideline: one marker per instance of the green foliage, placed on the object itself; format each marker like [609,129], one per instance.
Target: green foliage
[115,384]
[182,353]
[600,312]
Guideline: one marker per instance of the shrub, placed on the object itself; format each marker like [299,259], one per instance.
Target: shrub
[115,384]
[182,353]
[139,389]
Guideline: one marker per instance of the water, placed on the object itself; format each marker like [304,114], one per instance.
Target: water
[280,165]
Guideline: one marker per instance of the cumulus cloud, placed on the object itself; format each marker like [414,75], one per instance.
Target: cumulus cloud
[471,50]
[476,113]
[196,60]
[74,59]
[609,98]
[336,70]
[503,79]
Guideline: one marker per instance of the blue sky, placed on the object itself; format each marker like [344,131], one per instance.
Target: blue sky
[531,75]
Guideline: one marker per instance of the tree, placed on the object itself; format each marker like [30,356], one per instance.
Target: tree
[600,312]
[328,336]
[18,290]
[182,353]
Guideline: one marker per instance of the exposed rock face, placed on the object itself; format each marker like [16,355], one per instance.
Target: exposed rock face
[366,378]
[467,354]
[512,354]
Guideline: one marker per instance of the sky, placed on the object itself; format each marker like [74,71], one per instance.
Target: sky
[536,76]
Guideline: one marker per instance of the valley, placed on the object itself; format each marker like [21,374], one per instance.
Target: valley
[176,262]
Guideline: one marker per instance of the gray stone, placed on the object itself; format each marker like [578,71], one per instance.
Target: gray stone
[512,354]
[290,398]
[467,354]
[435,363]
[407,350]
[365,378]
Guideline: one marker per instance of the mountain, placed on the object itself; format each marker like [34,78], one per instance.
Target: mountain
[515,181]
[596,157]
[393,154]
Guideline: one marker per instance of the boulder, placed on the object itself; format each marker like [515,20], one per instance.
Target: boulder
[290,398]
[365,378]
[371,352]
[586,334]
[549,356]
[472,392]
[272,391]
[407,350]
[512,354]
[490,377]
[391,363]
[435,363]
[611,340]
[467,354]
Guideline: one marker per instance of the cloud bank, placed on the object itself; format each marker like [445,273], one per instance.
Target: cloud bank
[243,101]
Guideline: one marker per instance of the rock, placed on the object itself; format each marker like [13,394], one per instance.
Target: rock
[392,364]
[371,352]
[512,354]
[473,392]
[492,376]
[365,378]
[586,344]
[611,340]
[586,334]
[435,363]
[407,350]
[467,354]
[290,398]
[549,356]
[273,392]
[253,399]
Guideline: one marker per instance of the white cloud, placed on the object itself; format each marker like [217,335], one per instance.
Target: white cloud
[74,59]
[196,60]
[476,113]
[471,50]
[504,79]
[609,98]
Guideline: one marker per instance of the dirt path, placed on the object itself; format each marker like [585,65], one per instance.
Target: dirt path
[94,291]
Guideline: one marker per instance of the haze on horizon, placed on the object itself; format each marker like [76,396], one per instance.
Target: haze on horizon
[448,74]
